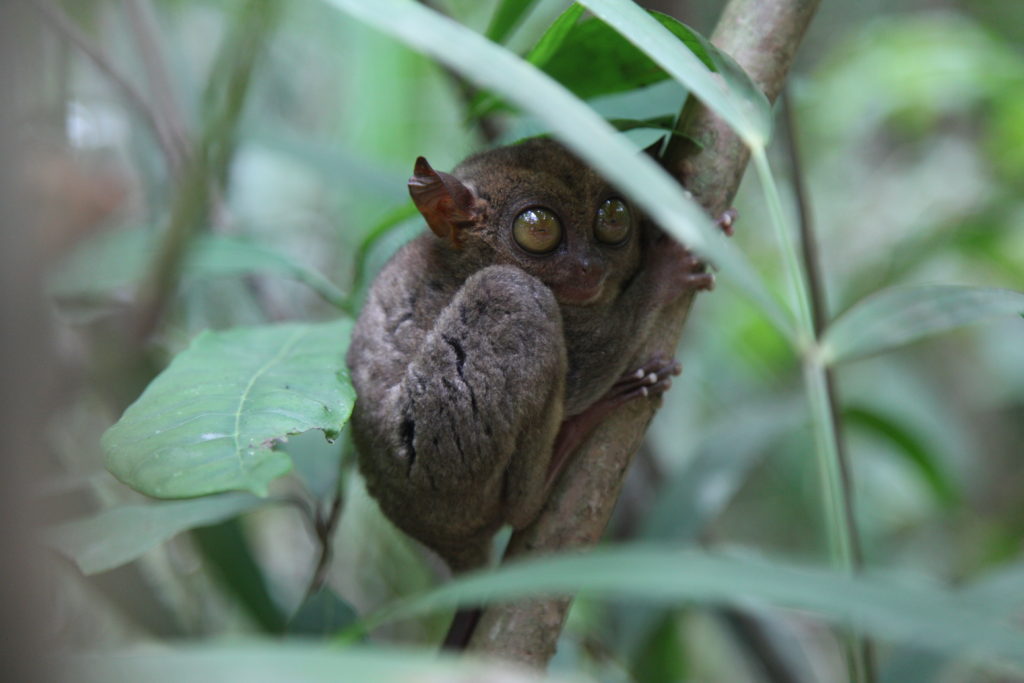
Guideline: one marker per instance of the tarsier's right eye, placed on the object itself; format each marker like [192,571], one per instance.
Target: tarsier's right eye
[613,222]
[537,230]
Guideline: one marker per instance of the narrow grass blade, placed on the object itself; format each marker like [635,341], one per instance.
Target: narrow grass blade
[901,315]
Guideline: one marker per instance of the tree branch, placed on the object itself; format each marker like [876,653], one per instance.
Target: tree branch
[762,36]
[59,21]
[146,34]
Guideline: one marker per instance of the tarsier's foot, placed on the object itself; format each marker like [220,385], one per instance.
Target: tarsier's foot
[653,378]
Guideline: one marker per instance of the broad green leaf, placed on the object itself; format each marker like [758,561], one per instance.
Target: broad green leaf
[508,14]
[539,55]
[906,443]
[552,39]
[743,107]
[270,661]
[916,612]
[209,421]
[595,59]
[590,58]
[116,262]
[492,67]
[119,535]
[898,316]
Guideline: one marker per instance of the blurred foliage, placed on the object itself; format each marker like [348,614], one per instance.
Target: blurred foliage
[911,126]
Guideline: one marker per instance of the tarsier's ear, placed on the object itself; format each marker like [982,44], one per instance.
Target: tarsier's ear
[444,201]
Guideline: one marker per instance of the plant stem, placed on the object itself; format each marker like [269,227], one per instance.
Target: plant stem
[325,527]
[860,652]
[794,271]
[144,29]
[840,525]
[226,90]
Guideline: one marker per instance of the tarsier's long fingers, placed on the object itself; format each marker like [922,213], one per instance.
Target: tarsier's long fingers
[695,276]
[727,220]
[652,378]
[702,281]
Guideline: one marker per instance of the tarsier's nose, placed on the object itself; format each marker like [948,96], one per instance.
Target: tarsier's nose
[589,267]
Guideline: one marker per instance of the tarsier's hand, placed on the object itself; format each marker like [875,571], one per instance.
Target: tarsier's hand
[679,269]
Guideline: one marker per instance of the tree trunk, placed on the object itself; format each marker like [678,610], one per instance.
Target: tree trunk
[762,36]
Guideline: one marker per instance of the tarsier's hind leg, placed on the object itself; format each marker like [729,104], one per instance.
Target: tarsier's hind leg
[482,401]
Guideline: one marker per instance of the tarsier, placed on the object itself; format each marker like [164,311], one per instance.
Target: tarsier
[491,346]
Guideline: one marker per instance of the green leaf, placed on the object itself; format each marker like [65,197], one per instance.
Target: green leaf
[915,612]
[104,264]
[1002,589]
[552,39]
[662,657]
[220,255]
[116,262]
[663,123]
[590,58]
[742,105]
[508,14]
[229,557]
[901,315]
[209,422]
[906,443]
[321,614]
[490,66]
[595,59]
[539,55]
[119,535]
[386,225]
[274,660]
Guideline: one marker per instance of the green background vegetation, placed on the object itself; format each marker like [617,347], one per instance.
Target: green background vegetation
[289,132]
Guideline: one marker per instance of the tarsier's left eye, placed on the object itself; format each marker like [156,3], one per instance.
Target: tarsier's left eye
[537,230]
[612,222]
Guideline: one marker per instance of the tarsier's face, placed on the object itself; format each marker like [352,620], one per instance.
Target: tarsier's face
[549,214]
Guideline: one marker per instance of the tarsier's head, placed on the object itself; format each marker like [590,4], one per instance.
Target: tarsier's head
[536,206]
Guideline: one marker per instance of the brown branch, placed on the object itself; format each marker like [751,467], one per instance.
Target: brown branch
[762,36]
[325,526]
[59,21]
[147,41]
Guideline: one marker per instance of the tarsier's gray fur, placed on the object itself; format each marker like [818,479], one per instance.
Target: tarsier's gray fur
[466,363]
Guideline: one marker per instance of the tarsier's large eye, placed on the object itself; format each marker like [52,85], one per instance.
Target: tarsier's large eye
[612,222]
[537,230]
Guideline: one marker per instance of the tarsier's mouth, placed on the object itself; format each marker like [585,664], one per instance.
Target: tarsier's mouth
[579,293]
